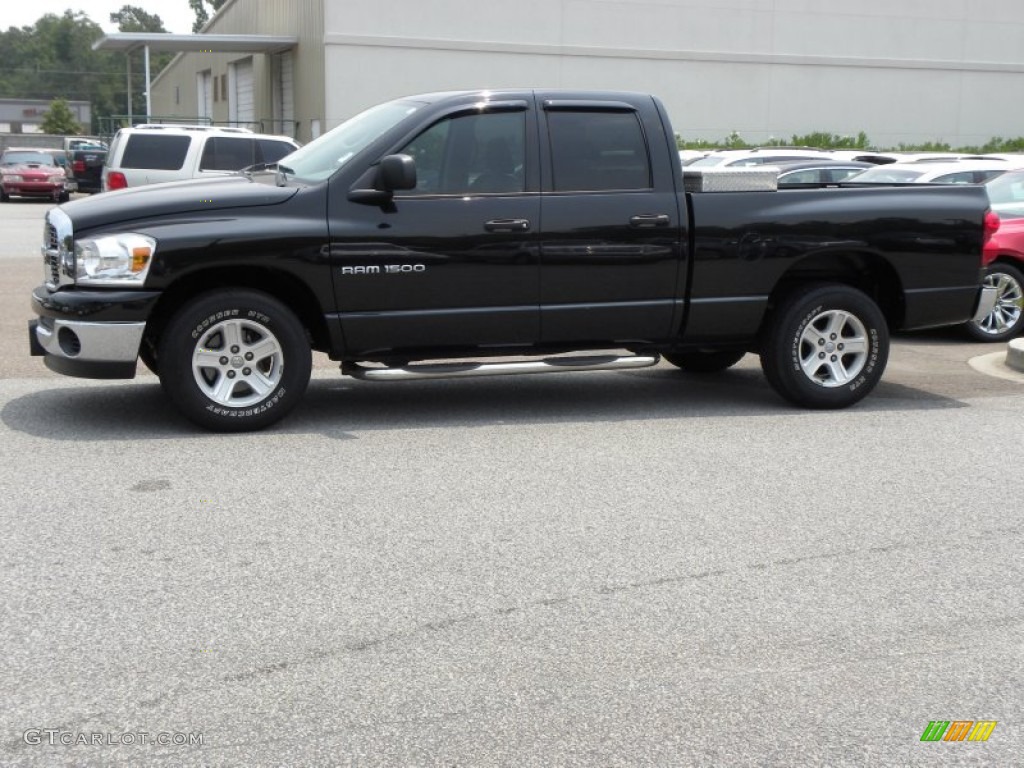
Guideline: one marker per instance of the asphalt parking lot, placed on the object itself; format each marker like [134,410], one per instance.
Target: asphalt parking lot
[596,569]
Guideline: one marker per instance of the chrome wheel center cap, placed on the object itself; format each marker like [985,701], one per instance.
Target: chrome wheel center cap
[237,361]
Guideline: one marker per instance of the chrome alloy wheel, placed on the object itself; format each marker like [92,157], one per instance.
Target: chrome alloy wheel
[833,348]
[1009,302]
[237,363]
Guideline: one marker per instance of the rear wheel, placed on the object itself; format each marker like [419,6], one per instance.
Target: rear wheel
[1006,320]
[234,360]
[705,360]
[826,347]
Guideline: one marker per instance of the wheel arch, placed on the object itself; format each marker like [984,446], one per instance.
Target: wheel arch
[280,284]
[868,272]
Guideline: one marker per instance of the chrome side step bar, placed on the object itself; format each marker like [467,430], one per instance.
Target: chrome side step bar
[465,370]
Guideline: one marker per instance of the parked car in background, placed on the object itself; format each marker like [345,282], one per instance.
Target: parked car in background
[759,156]
[1004,260]
[818,173]
[153,154]
[955,172]
[31,173]
[86,163]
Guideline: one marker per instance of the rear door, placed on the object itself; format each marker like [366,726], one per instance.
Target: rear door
[612,240]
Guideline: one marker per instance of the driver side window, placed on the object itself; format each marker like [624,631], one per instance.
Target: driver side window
[471,154]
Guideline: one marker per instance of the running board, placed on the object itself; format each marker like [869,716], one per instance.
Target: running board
[465,370]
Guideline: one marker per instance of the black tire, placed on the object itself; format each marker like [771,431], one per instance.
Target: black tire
[4,197]
[705,360]
[64,197]
[1006,320]
[234,360]
[147,354]
[826,346]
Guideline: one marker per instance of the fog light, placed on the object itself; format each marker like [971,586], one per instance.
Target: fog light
[69,342]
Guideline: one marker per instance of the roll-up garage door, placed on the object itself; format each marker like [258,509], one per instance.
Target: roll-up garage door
[243,102]
[287,91]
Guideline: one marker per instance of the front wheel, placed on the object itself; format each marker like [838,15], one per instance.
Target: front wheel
[1006,320]
[234,360]
[825,347]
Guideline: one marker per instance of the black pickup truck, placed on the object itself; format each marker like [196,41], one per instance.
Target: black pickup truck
[85,161]
[430,236]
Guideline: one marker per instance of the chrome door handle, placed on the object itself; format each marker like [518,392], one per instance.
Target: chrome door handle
[507,225]
[649,220]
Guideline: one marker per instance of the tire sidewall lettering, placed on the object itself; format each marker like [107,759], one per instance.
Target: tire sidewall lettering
[213,319]
[794,349]
[249,411]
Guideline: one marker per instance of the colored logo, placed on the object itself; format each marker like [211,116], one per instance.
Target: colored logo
[958,730]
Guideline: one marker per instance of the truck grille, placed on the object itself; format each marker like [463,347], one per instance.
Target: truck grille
[51,259]
[58,250]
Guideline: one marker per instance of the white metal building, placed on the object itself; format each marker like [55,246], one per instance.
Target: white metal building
[900,70]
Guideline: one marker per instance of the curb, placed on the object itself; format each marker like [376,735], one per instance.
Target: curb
[1015,355]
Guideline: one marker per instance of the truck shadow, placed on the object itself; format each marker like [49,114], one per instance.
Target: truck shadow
[340,407]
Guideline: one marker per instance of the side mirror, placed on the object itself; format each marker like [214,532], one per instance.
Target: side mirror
[394,172]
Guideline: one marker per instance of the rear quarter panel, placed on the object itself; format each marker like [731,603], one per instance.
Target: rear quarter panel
[745,243]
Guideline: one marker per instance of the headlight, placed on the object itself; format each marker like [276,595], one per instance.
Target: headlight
[12,177]
[114,260]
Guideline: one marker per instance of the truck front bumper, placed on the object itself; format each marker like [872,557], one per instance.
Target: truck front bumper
[103,346]
[87,350]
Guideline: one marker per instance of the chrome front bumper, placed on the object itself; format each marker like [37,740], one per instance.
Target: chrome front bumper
[91,350]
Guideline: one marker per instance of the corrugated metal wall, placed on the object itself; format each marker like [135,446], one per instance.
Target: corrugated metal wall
[174,91]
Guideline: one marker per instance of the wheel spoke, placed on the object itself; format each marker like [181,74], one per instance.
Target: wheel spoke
[811,365]
[836,323]
[260,383]
[858,345]
[224,389]
[232,332]
[207,358]
[838,372]
[264,348]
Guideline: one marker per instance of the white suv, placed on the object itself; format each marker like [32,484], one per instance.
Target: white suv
[152,154]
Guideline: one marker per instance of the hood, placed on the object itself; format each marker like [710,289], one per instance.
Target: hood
[177,197]
[34,168]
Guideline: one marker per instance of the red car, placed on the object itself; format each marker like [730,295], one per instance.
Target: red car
[1004,260]
[31,173]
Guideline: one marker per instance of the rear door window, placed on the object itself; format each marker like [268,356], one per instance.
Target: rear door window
[161,153]
[598,151]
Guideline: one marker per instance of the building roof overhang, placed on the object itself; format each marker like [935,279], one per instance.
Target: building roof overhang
[159,42]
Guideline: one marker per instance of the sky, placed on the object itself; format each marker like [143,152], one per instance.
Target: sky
[175,14]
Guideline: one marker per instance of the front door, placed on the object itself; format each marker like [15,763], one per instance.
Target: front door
[454,262]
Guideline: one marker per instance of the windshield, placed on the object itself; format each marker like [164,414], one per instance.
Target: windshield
[886,174]
[23,158]
[319,159]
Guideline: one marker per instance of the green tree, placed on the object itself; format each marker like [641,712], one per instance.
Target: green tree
[202,15]
[54,59]
[59,120]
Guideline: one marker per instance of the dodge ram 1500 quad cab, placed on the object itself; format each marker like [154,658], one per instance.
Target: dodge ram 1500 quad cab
[555,228]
